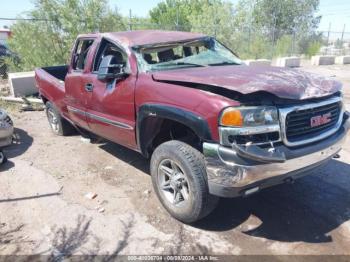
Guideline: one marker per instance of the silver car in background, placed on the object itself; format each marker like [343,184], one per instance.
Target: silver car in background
[6,133]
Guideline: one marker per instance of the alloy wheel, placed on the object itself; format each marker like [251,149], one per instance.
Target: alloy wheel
[173,182]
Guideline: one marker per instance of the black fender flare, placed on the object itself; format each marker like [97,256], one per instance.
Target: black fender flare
[149,114]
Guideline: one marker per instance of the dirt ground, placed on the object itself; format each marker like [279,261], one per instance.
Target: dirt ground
[43,208]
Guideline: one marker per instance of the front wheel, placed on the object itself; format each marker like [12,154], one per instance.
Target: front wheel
[180,181]
[58,124]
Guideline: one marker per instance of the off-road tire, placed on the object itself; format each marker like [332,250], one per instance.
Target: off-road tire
[63,127]
[191,161]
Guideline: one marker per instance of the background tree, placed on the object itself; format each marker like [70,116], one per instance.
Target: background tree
[251,28]
[49,39]
[211,17]
[171,14]
[214,18]
[279,17]
[310,44]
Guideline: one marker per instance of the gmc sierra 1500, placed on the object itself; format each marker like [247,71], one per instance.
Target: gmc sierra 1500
[211,125]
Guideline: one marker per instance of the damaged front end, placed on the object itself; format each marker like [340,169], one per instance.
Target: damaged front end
[6,133]
[263,146]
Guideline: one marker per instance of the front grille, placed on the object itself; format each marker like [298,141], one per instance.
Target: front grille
[298,123]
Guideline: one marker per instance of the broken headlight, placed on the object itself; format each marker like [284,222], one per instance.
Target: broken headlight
[249,116]
[242,125]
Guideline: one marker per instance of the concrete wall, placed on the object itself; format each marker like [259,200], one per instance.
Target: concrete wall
[22,84]
[259,62]
[323,60]
[342,60]
[291,61]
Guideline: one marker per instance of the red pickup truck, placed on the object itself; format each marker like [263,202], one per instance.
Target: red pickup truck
[212,126]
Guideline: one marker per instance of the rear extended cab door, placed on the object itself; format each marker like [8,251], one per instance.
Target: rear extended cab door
[111,111]
[77,93]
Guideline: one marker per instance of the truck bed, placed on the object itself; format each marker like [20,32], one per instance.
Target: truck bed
[50,82]
[58,72]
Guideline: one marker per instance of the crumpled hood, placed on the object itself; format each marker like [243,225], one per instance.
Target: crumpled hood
[282,82]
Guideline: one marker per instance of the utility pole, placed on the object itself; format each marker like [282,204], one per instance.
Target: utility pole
[329,31]
[293,43]
[342,34]
[177,17]
[130,20]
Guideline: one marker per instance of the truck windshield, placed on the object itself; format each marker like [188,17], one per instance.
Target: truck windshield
[197,53]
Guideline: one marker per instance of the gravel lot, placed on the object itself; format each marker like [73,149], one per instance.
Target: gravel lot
[43,208]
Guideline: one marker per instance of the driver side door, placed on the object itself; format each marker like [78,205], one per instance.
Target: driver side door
[111,113]
[77,97]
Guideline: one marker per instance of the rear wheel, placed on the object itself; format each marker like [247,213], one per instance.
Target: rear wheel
[58,124]
[180,182]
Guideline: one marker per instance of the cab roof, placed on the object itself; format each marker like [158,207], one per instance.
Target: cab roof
[146,37]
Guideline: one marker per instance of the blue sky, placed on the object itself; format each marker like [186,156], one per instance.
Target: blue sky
[336,12]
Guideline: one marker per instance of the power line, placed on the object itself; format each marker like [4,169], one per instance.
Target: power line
[23,19]
[31,19]
[332,14]
[334,5]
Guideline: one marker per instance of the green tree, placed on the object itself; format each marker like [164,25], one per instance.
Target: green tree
[211,17]
[139,23]
[260,48]
[284,46]
[216,19]
[310,44]
[171,14]
[279,17]
[313,49]
[48,39]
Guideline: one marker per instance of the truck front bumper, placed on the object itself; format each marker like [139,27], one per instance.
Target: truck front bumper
[231,174]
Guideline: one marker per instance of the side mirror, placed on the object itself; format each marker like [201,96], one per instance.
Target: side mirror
[109,70]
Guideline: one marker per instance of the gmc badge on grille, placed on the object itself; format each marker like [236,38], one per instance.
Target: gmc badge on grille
[320,120]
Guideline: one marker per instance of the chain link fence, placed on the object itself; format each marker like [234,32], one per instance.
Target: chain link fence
[250,43]
[3,68]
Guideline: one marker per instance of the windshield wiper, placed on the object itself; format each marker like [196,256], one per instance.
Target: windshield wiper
[179,63]
[224,63]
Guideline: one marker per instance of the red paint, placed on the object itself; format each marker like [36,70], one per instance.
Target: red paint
[282,82]
[122,102]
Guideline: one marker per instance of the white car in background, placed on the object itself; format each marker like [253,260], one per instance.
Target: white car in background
[6,133]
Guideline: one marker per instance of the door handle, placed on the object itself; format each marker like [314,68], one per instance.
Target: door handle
[89,87]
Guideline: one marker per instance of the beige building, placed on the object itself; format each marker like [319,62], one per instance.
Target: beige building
[4,35]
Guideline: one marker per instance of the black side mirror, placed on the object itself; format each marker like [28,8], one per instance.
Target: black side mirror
[109,70]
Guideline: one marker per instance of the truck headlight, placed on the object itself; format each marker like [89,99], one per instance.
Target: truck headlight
[249,116]
[249,125]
